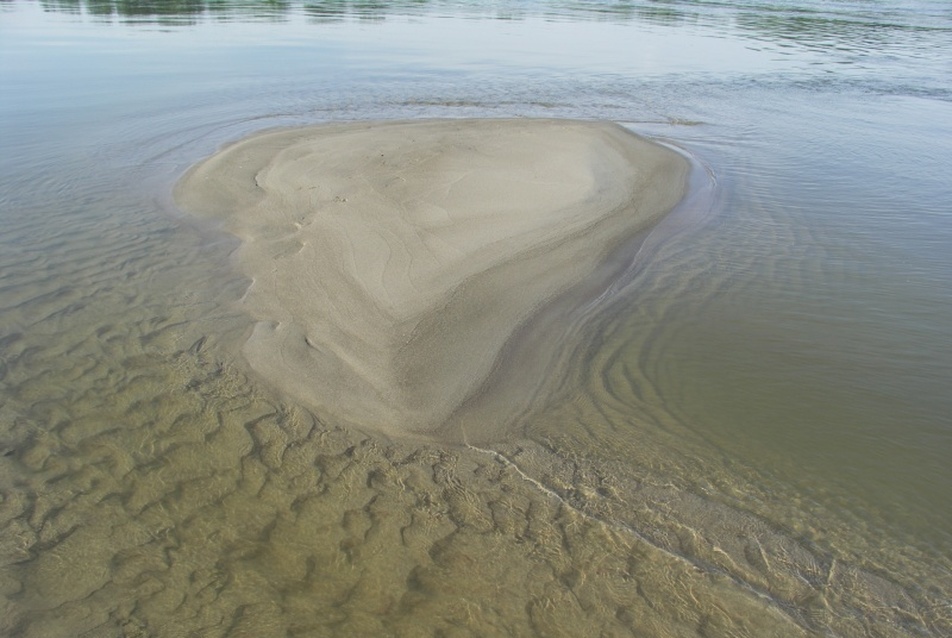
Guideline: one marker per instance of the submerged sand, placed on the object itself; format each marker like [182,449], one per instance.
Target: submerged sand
[148,487]
[392,263]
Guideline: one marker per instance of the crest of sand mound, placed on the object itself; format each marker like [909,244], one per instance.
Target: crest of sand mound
[392,262]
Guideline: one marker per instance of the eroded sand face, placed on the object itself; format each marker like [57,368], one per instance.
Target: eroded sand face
[393,262]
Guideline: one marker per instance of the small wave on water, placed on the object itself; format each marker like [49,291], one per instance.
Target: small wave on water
[748,434]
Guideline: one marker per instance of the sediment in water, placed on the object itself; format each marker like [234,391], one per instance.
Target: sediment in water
[391,263]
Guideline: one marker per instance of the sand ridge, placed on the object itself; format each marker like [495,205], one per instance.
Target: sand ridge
[391,262]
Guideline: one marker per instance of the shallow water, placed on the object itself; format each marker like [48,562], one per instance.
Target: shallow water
[751,433]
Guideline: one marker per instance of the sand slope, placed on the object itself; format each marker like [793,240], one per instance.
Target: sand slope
[392,262]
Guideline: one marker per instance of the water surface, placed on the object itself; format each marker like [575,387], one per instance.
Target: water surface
[752,431]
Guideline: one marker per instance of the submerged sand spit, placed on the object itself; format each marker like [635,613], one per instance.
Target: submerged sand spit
[391,263]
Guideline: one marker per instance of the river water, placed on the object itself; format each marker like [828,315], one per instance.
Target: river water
[751,437]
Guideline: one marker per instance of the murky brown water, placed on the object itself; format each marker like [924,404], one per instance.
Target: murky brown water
[750,436]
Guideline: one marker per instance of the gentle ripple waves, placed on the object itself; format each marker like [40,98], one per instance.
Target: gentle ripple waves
[745,433]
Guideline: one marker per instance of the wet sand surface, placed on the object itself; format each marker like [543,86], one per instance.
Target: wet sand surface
[393,263]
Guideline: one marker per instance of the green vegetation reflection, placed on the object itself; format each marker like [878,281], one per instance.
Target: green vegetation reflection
[811,24]
[185,12]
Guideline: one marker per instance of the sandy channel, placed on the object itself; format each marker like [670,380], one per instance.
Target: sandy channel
[392,262]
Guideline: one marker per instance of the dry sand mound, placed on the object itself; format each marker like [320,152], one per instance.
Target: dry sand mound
[392,262]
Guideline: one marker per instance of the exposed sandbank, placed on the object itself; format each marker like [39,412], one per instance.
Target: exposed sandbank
[391,262]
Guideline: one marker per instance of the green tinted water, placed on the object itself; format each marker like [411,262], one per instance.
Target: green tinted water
[752,431]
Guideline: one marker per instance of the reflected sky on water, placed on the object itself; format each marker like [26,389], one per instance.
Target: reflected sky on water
[780,353]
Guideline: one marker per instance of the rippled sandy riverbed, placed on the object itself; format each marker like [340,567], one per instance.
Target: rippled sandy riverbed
[747,440]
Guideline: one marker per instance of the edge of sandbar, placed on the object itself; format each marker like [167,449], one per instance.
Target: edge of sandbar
[392,262]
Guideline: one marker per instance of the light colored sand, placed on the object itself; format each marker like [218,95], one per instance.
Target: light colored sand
[392,262]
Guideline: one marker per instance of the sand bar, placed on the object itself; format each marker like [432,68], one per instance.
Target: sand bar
[392,262]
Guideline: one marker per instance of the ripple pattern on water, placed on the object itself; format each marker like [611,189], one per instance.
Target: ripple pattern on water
[707,469]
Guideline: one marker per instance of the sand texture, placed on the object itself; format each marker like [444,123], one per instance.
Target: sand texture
[392,263]
[151,486]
